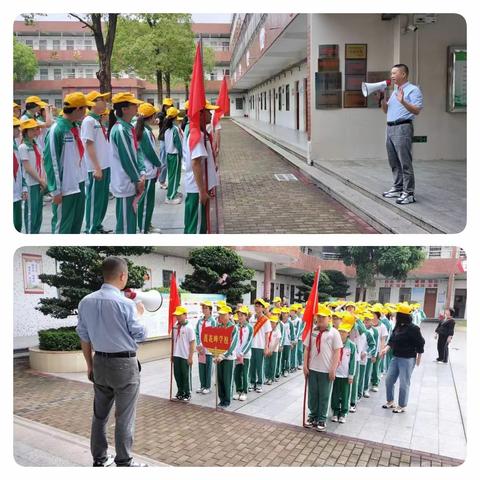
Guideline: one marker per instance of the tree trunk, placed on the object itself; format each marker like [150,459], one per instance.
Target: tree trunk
[167,81]
[159,76]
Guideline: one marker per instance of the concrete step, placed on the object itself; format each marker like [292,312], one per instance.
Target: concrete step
[379,215]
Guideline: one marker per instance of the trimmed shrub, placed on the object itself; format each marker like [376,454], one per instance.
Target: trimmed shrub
[64,339]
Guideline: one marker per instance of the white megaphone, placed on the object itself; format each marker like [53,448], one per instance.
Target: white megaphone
[151,300]
[369,88]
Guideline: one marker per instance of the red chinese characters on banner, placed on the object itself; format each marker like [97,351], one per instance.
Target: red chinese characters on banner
[217,340]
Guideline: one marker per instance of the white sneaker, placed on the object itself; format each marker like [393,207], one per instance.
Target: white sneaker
[353,409]
[154,230]
[259,390]
[206,391]
[199,390]
[374,389]
[334,418]
[243,397]
[173,201]
[341,420]
[236,396]
[366,394]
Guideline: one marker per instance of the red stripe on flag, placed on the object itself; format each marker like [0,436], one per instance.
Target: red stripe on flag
[311,308]
[223,101]
[174,302]
[196,99]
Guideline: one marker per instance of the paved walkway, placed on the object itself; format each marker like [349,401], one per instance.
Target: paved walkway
[252,200]
[189,435]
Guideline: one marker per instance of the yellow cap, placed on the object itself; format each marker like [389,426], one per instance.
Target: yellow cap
[147,110]
[106,112]
[125,97]
[323,311]
[36,100]
[243,309]
[277,311]
[349,318]
[210,106]
[235,317]
[94,95]
[262,302]
[344,327]
[76,100]
[338,314]
[180,310]
[30,123]
[404,308]
[168,102]
[207,303]
[221,303]
[349,304]
[172,112]
[368,315]
[16,122]
[273,318]
[16,105]
[377,308]
[285,310]
[187,104]
[224,310]
[277,299]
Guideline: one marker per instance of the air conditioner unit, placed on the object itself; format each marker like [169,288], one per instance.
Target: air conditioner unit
[424,18]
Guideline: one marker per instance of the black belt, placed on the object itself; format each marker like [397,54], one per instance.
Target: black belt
[398,122]
[116,354]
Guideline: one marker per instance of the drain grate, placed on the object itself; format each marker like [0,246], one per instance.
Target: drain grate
[285,177]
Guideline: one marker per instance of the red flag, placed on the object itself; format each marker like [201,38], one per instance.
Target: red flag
[196,99]
[174,302]
[311,307]
[223,101]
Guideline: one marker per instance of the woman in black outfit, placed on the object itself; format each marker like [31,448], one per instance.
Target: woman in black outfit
[406,343]
[444,333]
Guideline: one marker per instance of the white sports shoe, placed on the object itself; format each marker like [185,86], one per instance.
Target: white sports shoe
[334,418]
[206,391]
[243,397]
[341,420]
[236,396]
[199,390]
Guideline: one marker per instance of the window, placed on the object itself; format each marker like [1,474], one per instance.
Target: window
[213,76]
[279,98]
[89,73]
[239,103]
[384,295]
[58,103]
[405,295]
[253,293]
[282,291]
[150,100]
[42,44]
[69,72]
[166,276]
[272,292]
[43,73]
[292,294]
[434,252]
[29,43]
[227,72]
[70,44]
[88,44]
[287,97]
[56,44]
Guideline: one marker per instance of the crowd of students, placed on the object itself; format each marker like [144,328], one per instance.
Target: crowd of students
[78,157]
[344,357]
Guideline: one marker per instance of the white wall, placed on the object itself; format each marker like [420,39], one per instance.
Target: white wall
[234,112]
[358,133]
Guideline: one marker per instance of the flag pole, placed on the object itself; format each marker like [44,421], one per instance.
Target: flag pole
[307,364]
[216,386]
[171,348]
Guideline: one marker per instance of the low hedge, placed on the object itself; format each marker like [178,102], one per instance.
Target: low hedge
[64,339]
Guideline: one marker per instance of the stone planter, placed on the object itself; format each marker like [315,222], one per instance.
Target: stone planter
[72,362]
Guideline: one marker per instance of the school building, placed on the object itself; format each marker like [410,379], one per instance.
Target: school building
[440,281]
[298,78]
[68,61]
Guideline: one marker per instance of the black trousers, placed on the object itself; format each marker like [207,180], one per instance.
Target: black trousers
[442,347]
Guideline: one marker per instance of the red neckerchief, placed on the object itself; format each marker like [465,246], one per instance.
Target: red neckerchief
[135,141]
[179,326]
[16,165]
[78,141]
[104,131]
[341,354]
[38,158]
[318,340]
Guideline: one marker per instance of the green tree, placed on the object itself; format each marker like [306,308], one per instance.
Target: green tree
[338,282]
[218,270]
[324,287]
[391,262]
[80,273]
[25,64]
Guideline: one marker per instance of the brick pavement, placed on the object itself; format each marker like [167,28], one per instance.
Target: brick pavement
[188,435]
[253,201]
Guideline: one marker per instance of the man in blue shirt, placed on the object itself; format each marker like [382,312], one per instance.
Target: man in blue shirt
[405,103]
[108,326]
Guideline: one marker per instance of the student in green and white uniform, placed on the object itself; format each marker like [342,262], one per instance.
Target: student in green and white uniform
[358,337]
[97,158]
[382,342]
[390,316]
[151,159]
[244,353]
[261,329]
[344,378]
[273,345]
[296,329]
[322,354]
[20,190]
[288,338]
[372,352]
[204,368]
[225,362]
[32,162]
[126,165]
[65,166]
[182,355]
[388,326]
[281,332]
[33,106]
[173,151]
[195,180]
[300,311]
